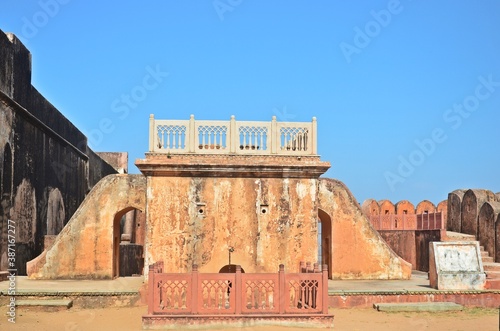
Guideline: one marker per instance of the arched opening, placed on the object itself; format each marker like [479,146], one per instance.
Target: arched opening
[128,242]
[325,240]
[230,269]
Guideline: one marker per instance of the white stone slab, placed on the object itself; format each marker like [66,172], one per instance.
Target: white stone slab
[456,265]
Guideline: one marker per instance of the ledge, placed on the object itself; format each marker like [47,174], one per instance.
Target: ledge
[252,166]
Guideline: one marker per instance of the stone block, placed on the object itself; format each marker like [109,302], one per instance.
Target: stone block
[456,265]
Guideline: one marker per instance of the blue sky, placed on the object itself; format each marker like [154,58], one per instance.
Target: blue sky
[407,93]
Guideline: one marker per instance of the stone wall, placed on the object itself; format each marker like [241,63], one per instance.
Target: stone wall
[46,167]
[472,202]
[455,211]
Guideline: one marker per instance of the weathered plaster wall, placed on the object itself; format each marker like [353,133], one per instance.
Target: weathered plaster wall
[46,167]
[358,251]
[268,221]
[88,245]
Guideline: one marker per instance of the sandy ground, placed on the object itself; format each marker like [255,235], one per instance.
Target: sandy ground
[125,319]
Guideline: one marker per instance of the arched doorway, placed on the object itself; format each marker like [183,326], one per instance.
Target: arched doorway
[128,242]
[325,240]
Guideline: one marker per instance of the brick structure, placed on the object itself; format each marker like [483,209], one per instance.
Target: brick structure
[370,207]
[404,207]
[253,188]
[387,207]
[425,207]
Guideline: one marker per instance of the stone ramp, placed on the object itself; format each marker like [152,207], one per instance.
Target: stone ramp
[418,306]
[86,246]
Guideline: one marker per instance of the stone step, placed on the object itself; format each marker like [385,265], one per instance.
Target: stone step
[487,259]
[491,266]
[418,306]
[484,254]
[492,284]
[492,274]
[457,236]
[4,275]
[45,305]
[481,248]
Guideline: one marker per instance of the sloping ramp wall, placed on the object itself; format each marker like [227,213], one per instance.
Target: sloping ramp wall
[84,248]
[358,251]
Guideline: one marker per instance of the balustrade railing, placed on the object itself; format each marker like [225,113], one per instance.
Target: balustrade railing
[232,137]
[194,293]
[429,221]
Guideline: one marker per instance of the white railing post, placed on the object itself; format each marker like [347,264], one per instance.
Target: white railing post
[274,136]
[152,130]
[314,139]
[233,136]
[191,135]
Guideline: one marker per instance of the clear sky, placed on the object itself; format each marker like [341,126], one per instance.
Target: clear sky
[407,93]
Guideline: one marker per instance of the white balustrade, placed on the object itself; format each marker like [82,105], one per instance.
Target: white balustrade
[232,137]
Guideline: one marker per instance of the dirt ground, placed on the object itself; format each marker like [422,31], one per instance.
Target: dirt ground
[125,319]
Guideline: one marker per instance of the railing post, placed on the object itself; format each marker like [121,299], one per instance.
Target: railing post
[274,134]
[314,138]
[238,290]
[233,136]
[194,289]
[151,289]
[324,289]
[152,132]
[282,289]
[191,135]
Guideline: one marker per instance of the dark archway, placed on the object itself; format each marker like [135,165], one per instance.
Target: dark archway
[230,269]
[325,240]
[128,241]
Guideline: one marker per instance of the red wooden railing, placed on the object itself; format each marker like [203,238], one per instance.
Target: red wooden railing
[430,221]
[194,293]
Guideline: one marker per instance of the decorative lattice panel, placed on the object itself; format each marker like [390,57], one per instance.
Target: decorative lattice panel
[302,295]
[259,295]
[212,137]
[173,295]
[171,136]
[253,138]
[294,139]
[216,295]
